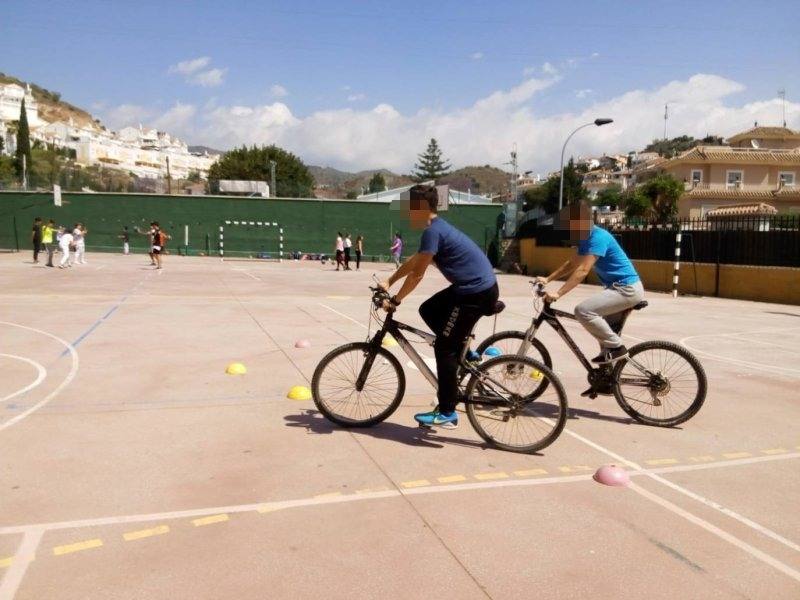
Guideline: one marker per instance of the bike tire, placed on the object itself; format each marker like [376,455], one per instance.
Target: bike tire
[695,404]
[330,413]
[551,378]
[544,355]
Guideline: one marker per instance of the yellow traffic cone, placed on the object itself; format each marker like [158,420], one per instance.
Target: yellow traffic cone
[299,392]
[236,369]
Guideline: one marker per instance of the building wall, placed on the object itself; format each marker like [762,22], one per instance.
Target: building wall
[774,284]
[309,225]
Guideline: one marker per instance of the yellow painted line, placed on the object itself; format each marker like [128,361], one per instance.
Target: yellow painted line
[145,533]
[736,454]
[662,461]
[6,562]
[382,488]
[77,547]
[451,479]
[210,520]
[574,469]
[416,483]
[774,451]
[530,472]
[488,476]
[703,458]
[329,495]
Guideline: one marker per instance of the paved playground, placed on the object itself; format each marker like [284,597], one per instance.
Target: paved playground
[133,466]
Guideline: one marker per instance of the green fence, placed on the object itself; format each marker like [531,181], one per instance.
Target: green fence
[309,225]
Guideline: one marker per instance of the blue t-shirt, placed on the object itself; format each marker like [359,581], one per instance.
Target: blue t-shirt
[459,259]
[612,265]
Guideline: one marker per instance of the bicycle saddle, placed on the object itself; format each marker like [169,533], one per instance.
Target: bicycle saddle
[499,307]
[640,306]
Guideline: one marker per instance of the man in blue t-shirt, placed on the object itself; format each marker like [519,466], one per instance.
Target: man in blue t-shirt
[622,286]
[451,313]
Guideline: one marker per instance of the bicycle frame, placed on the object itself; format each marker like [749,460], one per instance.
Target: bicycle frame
[396,328]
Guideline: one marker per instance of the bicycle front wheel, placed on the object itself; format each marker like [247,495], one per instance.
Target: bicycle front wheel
[334,389]
[660,384]
[509,406]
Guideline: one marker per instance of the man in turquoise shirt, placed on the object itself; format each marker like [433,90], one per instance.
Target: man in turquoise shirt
[622,286]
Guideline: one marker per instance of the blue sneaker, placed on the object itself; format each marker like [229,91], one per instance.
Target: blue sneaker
[438,419]
[473,356]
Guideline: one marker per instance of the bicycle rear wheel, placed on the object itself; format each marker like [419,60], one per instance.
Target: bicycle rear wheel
[660,383]
[333,386]
[510,408]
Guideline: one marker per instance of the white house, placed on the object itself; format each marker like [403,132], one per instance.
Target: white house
[11,96]
[456,197]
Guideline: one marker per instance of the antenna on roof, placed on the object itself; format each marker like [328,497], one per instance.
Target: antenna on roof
[782,94]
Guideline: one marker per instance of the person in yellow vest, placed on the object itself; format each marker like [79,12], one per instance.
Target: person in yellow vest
[48,231]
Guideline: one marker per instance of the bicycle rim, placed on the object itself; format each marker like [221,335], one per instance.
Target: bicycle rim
[504,409]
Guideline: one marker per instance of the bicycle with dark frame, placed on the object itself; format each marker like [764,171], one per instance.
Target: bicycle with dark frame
[514,403]
[655,377]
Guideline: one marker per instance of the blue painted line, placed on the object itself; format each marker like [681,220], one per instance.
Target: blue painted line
[95,325]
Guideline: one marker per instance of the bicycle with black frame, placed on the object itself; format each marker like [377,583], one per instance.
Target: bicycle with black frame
[515,403]
[659,383]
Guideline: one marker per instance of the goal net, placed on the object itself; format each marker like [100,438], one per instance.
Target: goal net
[250,240]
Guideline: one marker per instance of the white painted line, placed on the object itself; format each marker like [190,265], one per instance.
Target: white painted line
[722,534]
[431,489]
[67,380]
[703,500]
[343,315]
[42,373]
[745,363]
[16,571]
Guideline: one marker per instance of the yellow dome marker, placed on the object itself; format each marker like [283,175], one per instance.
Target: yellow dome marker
[236,369]
[388,341]
[299,392]
[537,375]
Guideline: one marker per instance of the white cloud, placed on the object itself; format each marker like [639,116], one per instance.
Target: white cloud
[278,91]
[210,78]
[345,88]
[528,71]
[124,115]
[356,97]
[476,55]
[484,131]
[594,55]
[194,72]
[584,93]
[187,67]
[549,69]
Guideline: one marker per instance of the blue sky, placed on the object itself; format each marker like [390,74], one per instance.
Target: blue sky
[429,61]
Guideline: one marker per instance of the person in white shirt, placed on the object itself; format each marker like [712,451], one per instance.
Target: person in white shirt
[348,243]
[64,243]
[339,250]
[78,235]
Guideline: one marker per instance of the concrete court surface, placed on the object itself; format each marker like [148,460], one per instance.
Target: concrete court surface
[132,466]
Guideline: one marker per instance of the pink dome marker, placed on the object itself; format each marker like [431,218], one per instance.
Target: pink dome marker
[612,475]
[302,344]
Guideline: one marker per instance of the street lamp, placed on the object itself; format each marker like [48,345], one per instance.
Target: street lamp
[597,122]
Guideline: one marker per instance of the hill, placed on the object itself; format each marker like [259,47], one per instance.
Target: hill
[333,183]
[51,107]
[673,147]
[478,180]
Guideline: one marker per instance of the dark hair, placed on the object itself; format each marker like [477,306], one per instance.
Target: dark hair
[424,196]
[51,221]
[339,233]
[155,223]
[398,235]
[125,228]
[37,219]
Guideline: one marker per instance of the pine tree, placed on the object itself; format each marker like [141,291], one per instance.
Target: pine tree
[377,183]
[431,165]
[23,141]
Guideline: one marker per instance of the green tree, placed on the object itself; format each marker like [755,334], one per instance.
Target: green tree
[431,165]
[293,179]
[636,203]
[663,191]
[377,183]
[610,196]
[8,171]
[545,196]
[23,141]
[351,195]
[194,177]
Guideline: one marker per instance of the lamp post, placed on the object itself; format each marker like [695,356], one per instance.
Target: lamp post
[598,123]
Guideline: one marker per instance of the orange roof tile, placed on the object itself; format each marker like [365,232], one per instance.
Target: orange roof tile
[771,133]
